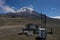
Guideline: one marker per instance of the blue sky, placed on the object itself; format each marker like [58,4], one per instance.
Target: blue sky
[48,7]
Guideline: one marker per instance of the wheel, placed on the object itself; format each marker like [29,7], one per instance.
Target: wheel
[26,34]
[38,38]
[20,34]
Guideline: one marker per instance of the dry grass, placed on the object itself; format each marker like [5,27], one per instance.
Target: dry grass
[11,34]
[17,21]
[13,26]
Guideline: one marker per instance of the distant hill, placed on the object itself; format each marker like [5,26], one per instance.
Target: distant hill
[24,13]
[24,16]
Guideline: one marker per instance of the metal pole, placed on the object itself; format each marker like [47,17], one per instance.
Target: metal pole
[41,18]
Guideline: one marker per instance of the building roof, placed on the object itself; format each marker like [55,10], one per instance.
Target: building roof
[31,24]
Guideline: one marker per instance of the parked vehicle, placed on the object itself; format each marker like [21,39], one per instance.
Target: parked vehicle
[30,29]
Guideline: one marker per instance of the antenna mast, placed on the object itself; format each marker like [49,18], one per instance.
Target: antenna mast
[43,19]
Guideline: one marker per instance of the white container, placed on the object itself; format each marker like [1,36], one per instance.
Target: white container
[30,33]
[42,32]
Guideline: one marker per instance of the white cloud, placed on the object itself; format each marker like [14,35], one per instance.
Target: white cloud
[57,17]
[31,6]
[53,8]
[6,8]
[24,9]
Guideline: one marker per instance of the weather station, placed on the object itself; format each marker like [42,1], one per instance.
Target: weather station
[43,29]
[40,30]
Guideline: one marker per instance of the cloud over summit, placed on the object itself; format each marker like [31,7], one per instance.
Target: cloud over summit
[57,17]
[5,8]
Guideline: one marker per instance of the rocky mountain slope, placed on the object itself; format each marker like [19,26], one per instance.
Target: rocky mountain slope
[26,15]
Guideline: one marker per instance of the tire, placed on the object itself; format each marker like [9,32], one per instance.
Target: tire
[38,38]
[26,34]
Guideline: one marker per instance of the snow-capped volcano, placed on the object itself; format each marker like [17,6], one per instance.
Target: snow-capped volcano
[25,9]
[26,12]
